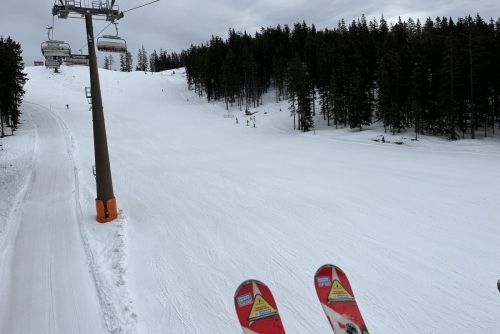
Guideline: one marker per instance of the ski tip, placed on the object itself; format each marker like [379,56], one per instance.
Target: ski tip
[329,266]
[256,308]
[247,282]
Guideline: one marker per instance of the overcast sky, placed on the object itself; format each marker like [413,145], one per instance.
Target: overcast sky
[174,25]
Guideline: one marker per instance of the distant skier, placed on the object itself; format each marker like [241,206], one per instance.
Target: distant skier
[236,120]
[248,122]
[67,106]
[498,285]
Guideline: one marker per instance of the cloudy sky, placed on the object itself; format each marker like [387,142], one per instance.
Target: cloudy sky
[174,25]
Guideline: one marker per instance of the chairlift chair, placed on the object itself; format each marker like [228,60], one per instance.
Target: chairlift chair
[52,63]
[109,43]
[53,48]
[77,60]
[112,43]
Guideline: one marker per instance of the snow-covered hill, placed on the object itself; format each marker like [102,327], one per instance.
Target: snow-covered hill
[206,203]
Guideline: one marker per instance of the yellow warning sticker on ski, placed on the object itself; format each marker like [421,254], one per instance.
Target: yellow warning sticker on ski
[261,309]
[338,293]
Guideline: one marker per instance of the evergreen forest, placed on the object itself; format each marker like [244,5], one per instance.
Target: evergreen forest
[12,80]
[156,62]
[441,77]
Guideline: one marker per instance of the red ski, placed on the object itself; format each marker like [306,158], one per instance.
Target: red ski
[337,298]
[256,309]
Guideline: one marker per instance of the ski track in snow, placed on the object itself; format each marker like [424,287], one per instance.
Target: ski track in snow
[46,285]
[116,316]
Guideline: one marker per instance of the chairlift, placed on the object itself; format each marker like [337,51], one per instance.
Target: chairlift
[52,63]
[77,60]
[110,43]
[52,48]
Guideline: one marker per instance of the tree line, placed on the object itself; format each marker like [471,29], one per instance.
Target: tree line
[12,80]
[440,77]
[155,62]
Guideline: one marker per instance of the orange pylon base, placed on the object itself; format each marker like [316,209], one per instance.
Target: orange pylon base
[106,213]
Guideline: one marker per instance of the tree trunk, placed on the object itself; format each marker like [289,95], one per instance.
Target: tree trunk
[1,123]
[472,116]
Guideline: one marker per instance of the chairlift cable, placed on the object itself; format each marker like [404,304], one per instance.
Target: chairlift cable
[149,3]
[110,23]
[96,35]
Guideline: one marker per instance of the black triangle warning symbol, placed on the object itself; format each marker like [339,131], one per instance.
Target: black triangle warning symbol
[338,293]
[261,309]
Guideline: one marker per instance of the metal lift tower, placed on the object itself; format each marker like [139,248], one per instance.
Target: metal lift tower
[105,201]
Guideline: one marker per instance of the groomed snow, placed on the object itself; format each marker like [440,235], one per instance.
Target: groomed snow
[206,203]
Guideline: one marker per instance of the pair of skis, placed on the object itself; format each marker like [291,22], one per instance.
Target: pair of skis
[258,312]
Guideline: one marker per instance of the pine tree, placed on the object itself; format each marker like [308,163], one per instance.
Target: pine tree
[106,63]
[153,60]
[139,61]
[292,79]
[481,75]
[299,86]
[144,60]
[324,70]
[128,62]
[495,68]
[111,61]
[389,84]
[229,79]
[419,94]
[12,82]
[360,111]
[125,62]
[450,78]
[311,62]
[122,62]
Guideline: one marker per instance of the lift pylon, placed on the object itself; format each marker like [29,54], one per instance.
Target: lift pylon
[105,201]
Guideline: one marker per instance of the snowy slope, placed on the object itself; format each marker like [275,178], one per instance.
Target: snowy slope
[206,203]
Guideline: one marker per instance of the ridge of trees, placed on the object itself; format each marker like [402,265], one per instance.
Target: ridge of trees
[155,62]
[162,61]
[12,80]
[439,77]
